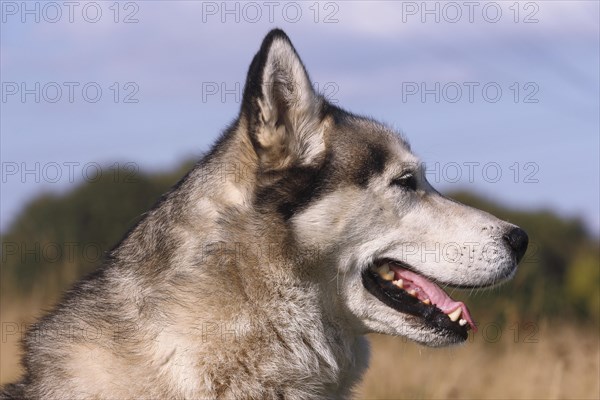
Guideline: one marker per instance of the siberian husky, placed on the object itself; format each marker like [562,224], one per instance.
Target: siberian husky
[258,275]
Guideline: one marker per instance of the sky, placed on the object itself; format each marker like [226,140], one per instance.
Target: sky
[501,98]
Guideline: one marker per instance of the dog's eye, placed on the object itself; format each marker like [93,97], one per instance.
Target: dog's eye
[407,181]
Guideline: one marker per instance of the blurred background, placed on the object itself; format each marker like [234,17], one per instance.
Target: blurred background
[105,105]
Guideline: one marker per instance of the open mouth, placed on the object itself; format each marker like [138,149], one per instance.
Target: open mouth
[397,286]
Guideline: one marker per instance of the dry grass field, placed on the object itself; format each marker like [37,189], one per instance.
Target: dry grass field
[544,361]
[556,362]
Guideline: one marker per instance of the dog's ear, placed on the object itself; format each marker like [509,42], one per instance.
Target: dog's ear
[282,110]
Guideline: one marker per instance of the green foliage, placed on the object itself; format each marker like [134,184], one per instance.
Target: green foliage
[582,286]
[57,239]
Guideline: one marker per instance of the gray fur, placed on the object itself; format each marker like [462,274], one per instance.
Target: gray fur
[243,281]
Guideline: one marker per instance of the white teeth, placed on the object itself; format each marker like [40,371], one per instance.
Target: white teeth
[399,283]
[427,301]
[462,322]
[412,292]
[385,273]
[454,315]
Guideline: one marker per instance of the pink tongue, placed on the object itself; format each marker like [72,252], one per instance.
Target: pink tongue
[434,293]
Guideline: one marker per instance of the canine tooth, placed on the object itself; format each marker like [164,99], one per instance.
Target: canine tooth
[462,322]
[412,292]
[385,273]
[427,301]
[399,283]
[383,269]
[388,276]
[454,315]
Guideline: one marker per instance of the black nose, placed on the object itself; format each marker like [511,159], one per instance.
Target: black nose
[518,241]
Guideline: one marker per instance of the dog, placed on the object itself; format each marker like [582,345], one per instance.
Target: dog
[258,275]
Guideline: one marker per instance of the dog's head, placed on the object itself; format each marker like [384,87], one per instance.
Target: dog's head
[351,188]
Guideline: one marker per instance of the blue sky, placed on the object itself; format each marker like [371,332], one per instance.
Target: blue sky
[497,97]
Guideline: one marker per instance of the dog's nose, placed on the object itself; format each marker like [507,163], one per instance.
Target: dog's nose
[518,241]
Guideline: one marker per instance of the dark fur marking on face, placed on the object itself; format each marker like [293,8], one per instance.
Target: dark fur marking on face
[291,190]
[372,164]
